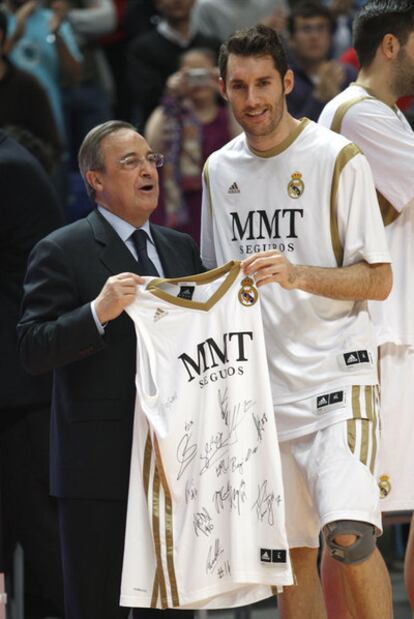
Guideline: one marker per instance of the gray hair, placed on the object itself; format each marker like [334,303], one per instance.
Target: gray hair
[90,153]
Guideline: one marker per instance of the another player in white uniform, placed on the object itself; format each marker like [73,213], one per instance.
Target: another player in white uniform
[290,193]
[366,113]
[206,509]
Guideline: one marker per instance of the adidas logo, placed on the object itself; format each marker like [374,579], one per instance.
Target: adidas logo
[159,313]
[233,188]
[357,356]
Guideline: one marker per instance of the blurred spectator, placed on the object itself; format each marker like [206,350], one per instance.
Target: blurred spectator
[154,56]
[87,103]
[188,126]
[23,101]
[220,18]
[114,47]
[28,211]
[140,16]
[343,12]
[39,43]
[317,78]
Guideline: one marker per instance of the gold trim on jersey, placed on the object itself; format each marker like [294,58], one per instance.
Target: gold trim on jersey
[206,176]
[336,124]
[147,464]
[232,268]
[156,536]
[374,95]
[146,472]
[276,150]
[388,211]
[169,535]
[346,154]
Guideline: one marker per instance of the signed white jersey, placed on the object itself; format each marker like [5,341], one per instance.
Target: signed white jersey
[313,199]
[205,523]
[387,140]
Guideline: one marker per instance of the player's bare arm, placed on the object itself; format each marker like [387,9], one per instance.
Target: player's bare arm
[117,293]
[360,281]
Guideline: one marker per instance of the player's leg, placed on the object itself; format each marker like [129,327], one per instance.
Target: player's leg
[305,599]
[340,468]
[409,565]
[367,588]
[337,598]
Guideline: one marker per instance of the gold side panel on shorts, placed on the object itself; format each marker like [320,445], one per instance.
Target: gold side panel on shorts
[351,434]
[156,535]
[369,402]
[356,406]
[347,153]
[388,211]
[374,445]
[274,590]
[336,124]
[365,428]
[168,528]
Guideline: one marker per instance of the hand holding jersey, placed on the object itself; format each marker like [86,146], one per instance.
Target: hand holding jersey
[117,293]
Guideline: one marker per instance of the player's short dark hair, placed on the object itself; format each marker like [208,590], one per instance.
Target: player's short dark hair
[378,18]
[308,9]
[256,41]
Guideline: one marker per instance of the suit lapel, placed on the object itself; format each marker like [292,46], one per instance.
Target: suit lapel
[114,254]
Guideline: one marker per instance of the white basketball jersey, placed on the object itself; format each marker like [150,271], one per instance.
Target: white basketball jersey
[205,524]
[387,140]
[313,199]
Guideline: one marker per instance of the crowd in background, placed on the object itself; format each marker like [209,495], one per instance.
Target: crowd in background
[68,65]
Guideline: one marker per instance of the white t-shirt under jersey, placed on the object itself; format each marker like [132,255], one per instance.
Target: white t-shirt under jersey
[313,199]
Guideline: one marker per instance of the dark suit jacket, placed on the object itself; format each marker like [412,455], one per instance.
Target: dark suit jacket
[94,375]
[29,210]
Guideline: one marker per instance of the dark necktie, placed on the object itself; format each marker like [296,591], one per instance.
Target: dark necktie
[146,266]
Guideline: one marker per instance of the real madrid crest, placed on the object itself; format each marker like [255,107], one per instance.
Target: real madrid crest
[248,293]
[384,485]
[296,186]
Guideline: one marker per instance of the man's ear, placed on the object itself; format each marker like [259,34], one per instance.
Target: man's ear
[390,46]
[93,178]
[288,81]
[222,85]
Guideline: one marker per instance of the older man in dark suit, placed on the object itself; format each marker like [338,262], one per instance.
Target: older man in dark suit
[79,281]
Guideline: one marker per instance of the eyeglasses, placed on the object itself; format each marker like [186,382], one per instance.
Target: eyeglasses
[131,162]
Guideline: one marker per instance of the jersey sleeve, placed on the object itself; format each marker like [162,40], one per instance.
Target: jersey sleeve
[388,143]
[360,225]
[208,254]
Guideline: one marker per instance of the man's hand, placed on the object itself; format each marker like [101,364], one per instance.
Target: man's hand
[271,267]
[331,77]
[60,9]
[21,15]
[118,292]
